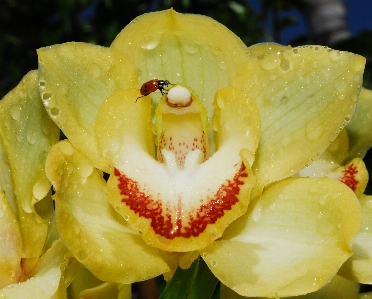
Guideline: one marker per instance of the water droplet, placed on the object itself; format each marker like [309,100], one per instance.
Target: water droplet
[368,203]
[322,200]
[286,140]
[42,83]
[118,123]
[284,63]
[150,43]
[213,263]
[257,213]
[32,136]
[284,100]
[325,227]
[313,130]
[95,70]
[190,48]
[334,55]
[340,86]
[46,95]
[15,111]
[204,255]
[54,111]
[268,62]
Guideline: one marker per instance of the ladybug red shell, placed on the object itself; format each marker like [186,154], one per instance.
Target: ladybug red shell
[153,85]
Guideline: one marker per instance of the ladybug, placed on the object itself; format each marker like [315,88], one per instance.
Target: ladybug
[153,85]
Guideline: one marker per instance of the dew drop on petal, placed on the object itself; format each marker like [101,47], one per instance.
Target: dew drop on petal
[15,111]
[31,136]
[257,213]
[95,70]
[54,111]
[268,62]
[334,55]
[42,83]
[46,95]
[368,203]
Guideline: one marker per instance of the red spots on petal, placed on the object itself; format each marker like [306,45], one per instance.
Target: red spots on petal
[174,221]
[349,177]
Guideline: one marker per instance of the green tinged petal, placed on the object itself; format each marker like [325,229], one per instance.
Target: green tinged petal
[297,92]
[74,80]
[91,229]
[27,134]
[359,266]
[43,281]
[86,286]
[10,244]
[337,288]
[193,49]
[359,128]
[292,240]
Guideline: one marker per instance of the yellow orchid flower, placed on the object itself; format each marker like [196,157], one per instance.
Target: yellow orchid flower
[349,148]
[231,126]
[33,262]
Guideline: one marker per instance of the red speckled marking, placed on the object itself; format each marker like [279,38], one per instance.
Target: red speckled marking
[182,148]
[161,217]
[349,177]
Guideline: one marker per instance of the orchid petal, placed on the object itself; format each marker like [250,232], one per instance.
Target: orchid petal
[74,80]
[86,286]
[290,242]
[10,244]
[359,266]
[263,48]
[297,92]
[44,280]
[192,49]
[337,288]
[359,128]
[89,226]
[27,134]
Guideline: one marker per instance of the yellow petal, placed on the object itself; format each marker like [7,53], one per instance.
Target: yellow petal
[44,280]
[305,97]
[359,128]
[359,266]
[74,80]
[10,244]
[178,208]
[123,122]
[292,240]
[337,288]
[95,234]
[27,133]
[108,290]
[192,49]
[262,48]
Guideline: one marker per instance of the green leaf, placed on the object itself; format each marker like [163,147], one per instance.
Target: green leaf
[197,282]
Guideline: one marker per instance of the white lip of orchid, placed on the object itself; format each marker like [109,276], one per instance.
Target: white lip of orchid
[179,96]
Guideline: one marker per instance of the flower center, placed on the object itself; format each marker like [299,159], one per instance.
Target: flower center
[181,127]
